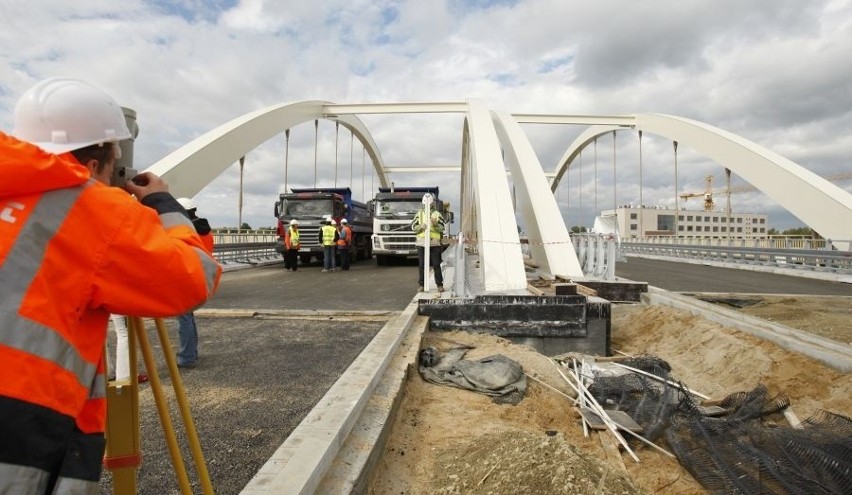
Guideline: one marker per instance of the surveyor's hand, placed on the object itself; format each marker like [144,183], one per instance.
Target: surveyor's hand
[144,184]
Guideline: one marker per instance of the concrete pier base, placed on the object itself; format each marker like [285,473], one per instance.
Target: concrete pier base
[550,324]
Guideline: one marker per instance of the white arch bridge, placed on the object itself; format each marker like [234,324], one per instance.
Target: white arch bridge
[495,146]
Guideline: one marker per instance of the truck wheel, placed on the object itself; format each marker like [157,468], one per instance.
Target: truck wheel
[305,258]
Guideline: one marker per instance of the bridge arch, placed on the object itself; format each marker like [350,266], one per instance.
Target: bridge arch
[823,206]
[191,167]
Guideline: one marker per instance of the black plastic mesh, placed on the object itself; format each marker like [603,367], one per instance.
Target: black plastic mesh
[648,401]
[749,450]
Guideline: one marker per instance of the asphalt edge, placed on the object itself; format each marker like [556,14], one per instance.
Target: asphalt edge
[301,463]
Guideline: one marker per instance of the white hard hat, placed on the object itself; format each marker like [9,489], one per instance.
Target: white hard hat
[294,222]
[186,203]
[332,222]
[62,114]
[344,221]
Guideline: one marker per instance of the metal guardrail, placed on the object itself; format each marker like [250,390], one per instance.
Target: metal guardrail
[769,242]
[244,246]
[597,253]
[824,260]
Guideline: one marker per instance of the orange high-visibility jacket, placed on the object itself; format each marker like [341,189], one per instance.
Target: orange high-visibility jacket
[345,239]
[72,251]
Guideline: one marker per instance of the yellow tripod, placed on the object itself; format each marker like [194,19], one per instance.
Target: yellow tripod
[123,453]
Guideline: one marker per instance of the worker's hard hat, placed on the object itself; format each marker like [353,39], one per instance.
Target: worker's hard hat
[344,221]
[332,222]
[62,114]
[294,222]
[186,203]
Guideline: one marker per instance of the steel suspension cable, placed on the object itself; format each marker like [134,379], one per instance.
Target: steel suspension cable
[677,204]
[336,153]
[580,207]
[641,203]
[596,177]
[316,137]
[286,156]
[614,195]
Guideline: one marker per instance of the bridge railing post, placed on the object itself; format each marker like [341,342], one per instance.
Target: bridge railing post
[459,288]
[609,274]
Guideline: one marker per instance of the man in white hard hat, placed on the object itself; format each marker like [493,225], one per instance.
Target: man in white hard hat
[292,243]
[344,242]
[328,239]
[74,250]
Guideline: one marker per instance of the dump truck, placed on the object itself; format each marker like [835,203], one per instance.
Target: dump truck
[393,211]
[313,206]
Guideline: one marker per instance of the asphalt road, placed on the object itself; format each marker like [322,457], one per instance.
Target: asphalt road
[258,377]
[364,287]
[688,277]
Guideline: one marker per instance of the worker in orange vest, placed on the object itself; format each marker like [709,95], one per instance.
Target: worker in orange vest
[344,242]
[72,251]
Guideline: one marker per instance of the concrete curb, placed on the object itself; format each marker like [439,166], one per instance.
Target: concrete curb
[303,460]
[834,354]
[291,313]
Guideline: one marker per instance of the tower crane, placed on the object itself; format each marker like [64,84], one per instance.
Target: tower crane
[709,204]
[707,194]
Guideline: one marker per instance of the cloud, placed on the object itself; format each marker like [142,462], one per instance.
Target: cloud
[774,71]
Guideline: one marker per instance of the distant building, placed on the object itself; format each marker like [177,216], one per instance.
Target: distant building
[634,221]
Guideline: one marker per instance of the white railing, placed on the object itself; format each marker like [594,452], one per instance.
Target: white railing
[769,242]
[597,254]
[824,260]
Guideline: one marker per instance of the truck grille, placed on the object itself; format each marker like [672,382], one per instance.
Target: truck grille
[308,236]
[399,241]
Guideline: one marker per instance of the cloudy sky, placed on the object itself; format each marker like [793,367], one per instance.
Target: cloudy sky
[777,72]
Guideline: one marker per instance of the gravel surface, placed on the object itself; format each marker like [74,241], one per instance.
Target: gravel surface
[255,381]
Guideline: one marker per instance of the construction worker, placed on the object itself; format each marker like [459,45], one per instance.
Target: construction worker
[72,251]
[187,328]
[328,239]
[292,245]
[435,226]
[344,242]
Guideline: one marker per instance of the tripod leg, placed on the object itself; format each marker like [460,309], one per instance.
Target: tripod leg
[162,406]
[183,404]
[122,430]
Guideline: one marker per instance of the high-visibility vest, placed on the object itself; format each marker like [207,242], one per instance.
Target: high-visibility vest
[292,239]
[74,251]
[435,231]
[345,237]
[328,235]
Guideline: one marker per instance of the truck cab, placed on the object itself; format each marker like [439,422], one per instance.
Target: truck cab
[393,211]
[311,207]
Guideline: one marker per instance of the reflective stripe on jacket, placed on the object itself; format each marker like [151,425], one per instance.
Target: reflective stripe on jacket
[72,251]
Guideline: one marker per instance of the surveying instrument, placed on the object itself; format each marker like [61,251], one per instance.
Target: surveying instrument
[123,445]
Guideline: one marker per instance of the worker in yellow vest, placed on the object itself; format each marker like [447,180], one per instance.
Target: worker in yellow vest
[328,238]
[435,227]
[292,245]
